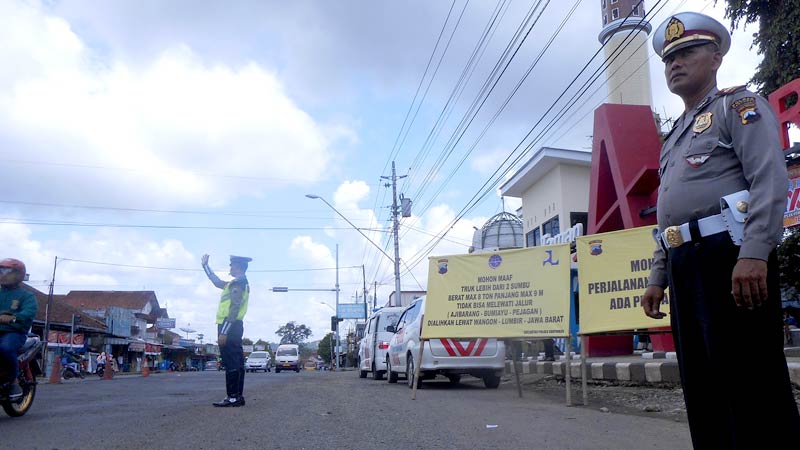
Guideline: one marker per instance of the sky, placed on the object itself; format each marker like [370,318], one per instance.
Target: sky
[136,136]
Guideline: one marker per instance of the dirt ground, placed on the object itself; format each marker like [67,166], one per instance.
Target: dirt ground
[664,400]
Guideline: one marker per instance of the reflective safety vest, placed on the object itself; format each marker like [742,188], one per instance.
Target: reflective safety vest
[225,303]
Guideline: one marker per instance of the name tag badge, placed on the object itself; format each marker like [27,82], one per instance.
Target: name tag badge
[14,305]
[702,122]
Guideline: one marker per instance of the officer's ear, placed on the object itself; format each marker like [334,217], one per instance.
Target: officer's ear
[716,55]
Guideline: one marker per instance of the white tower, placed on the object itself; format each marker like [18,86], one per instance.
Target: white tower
[628,76]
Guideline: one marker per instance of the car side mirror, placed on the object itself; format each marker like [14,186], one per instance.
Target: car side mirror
[391,328]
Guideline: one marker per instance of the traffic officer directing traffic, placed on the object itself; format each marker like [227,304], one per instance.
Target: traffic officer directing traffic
[720,215]
[231,311]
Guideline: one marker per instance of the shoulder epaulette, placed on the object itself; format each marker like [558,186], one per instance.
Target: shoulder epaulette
[731,90]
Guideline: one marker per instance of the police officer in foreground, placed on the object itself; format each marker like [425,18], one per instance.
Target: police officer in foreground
[720,218]
[231,311]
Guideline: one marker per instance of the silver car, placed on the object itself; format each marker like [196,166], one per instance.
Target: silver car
[258,361]
[483,358]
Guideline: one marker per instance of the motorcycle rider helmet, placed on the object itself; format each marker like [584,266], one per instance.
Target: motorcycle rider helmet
[12,272]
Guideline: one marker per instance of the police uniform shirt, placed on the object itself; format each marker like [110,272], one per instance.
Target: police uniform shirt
[728,143]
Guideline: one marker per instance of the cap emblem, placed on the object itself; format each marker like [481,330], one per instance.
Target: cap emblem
[675,30]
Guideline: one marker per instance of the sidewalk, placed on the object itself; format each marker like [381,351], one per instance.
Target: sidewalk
[653,367]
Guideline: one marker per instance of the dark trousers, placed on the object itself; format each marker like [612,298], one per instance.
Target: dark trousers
[10,343]
[733,370]
[233,359]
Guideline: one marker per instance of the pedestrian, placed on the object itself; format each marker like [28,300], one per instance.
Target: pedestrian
[17,310]
[101,360]
[720,213]
[230,314]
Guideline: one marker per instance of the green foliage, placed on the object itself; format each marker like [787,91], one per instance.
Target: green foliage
[778,38]
[789,261]
[325,347]
[247,341]
[291,333]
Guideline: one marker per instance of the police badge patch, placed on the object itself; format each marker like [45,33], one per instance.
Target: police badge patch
[702,122]
[746,107]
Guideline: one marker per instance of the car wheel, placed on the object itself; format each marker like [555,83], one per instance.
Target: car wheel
[454,379]
[277,370]
[377,374]
[410,373]
[391,376]
[362,374]
[491,381]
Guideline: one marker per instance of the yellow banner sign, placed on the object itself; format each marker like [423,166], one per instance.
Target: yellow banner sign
[613,269]
[502,294]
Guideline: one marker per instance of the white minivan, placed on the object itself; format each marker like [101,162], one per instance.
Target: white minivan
[373,346]
[483,358]
[287,357]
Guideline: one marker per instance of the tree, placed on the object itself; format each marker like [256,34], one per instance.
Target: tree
[778,38]
[247,341]
[291,333]
[325,348]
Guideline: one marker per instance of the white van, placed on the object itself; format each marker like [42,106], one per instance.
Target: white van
[483,358]
[287,357]
[373,346]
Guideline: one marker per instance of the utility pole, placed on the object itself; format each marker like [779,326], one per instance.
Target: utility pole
[375,295]
[47,309]
[395,228]
[364,280]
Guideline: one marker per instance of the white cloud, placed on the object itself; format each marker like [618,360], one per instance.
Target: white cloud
[171,124]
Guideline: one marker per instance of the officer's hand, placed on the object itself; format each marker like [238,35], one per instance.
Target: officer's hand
[749,282]
[6,318]
[222,339]
[204,260]
[652,302]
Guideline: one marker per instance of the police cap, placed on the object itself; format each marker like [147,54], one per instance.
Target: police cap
[688,29]
[243,260]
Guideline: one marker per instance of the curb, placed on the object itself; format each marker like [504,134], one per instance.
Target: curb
[662,371]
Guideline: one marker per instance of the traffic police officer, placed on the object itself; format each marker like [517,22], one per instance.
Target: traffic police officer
[717,252]
[231,311]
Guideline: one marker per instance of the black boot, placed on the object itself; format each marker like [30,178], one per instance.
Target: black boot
[230,402]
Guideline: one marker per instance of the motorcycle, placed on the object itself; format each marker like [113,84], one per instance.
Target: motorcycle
[28,371]
[71,366]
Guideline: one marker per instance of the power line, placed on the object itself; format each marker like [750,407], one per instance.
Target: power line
[134,266]
[174,227]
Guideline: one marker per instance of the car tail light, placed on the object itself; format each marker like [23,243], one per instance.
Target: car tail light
[383,345]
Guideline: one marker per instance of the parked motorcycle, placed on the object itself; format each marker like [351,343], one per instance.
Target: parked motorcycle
[28,371]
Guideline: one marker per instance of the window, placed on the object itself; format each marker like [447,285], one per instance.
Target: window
[605,19]
[615,14]
[551,227]
[635,10]
[579,217]
[533,238]
[614,1]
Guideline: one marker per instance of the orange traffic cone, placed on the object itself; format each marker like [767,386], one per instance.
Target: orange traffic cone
[145,369]
[55,372]
[108,371]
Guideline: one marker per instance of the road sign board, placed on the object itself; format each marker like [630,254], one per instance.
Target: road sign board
[352,311]
[165,323]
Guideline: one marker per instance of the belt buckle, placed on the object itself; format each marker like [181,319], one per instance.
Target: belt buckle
[673,236]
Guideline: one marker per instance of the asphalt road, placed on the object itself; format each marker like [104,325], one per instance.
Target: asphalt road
[320,410]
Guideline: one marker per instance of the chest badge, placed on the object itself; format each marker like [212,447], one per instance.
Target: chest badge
[14,305]
[697,161]
[702,122]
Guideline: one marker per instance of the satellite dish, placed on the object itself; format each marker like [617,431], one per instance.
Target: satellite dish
[187,331]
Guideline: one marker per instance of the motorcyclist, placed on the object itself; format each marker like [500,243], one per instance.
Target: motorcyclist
[17,310]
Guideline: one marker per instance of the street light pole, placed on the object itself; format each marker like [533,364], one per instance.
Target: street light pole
[337,305]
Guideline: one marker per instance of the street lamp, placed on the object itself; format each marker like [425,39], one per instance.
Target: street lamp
[286,289]
[395,260]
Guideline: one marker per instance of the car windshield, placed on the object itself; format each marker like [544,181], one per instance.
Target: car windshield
[287,352]
[258,355]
